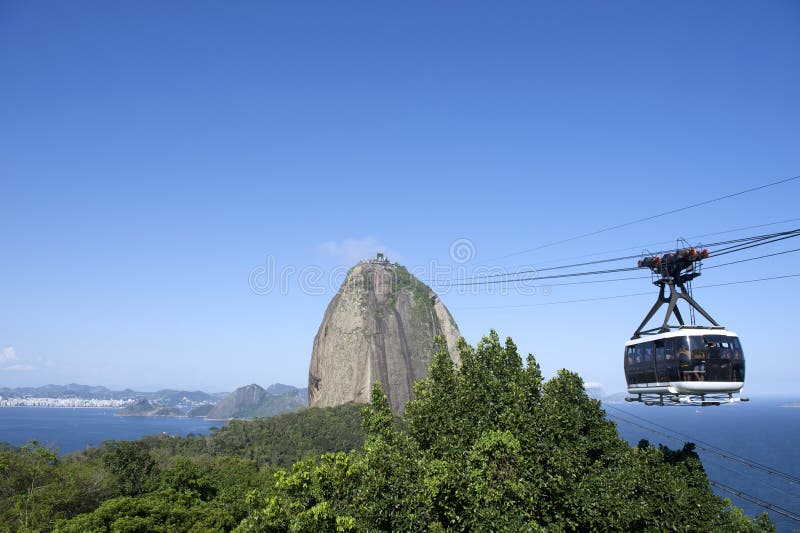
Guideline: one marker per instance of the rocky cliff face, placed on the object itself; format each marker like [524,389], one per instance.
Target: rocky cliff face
[380,326]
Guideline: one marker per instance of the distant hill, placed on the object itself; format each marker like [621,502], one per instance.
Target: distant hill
[253,401]
[200,411]
[594,391]
[146,408]
[247,402]
[174,397]
[72,390]
[280,388]
[88,392]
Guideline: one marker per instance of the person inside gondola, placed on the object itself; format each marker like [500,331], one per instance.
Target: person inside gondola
[686,371]
[684,359]
[725,351]
[698,364]
[683,350]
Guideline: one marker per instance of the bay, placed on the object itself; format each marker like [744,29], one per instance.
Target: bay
[69,429]
[763,432]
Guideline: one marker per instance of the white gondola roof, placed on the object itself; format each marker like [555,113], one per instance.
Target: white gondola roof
[683,331]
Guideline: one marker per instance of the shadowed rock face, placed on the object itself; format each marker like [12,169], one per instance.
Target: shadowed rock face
[380,326]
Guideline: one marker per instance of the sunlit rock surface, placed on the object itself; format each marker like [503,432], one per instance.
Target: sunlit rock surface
[380,326]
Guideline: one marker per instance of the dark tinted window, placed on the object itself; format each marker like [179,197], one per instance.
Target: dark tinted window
[629,358]
[724,359]
[661,362]
[737,362]
[640,363]
[672,349]
[645,369]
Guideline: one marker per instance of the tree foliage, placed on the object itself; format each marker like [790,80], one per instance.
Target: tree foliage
[490,446]
[132,464]
[37,488]
[487,446]
[200,482]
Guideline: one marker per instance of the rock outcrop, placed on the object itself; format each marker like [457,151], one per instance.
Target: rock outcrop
[380,326]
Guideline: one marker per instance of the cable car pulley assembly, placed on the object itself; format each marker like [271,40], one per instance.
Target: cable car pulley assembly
[681,364]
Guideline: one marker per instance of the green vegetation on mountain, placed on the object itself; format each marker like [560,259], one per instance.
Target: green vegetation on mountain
[253,401]
[37,488]
[201,411]
[280,388]
[282,440]
[487,446]
[147,408]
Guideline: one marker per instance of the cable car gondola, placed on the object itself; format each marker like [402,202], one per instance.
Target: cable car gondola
[682,364]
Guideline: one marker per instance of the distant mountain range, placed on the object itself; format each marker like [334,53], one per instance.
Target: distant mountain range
[251,401]
[88,392]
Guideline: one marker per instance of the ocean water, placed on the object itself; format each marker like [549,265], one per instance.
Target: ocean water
[68,429]
[737,444]
[761,432]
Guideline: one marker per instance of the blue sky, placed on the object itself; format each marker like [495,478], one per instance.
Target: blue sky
[154,156]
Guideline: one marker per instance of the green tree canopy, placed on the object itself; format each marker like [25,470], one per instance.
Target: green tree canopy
[490,446]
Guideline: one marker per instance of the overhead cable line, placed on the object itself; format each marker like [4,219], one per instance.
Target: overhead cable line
[533,270]
[740,244]
[754,477]
[759,242]
[538,278]
[727,457]
[661,243]
[592,281]
[652,217]
[758,501]
[626,257]
[743,241]
[721,452]
[752,499]
[560,302]
[618,296]
[742,282]
[753,258]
